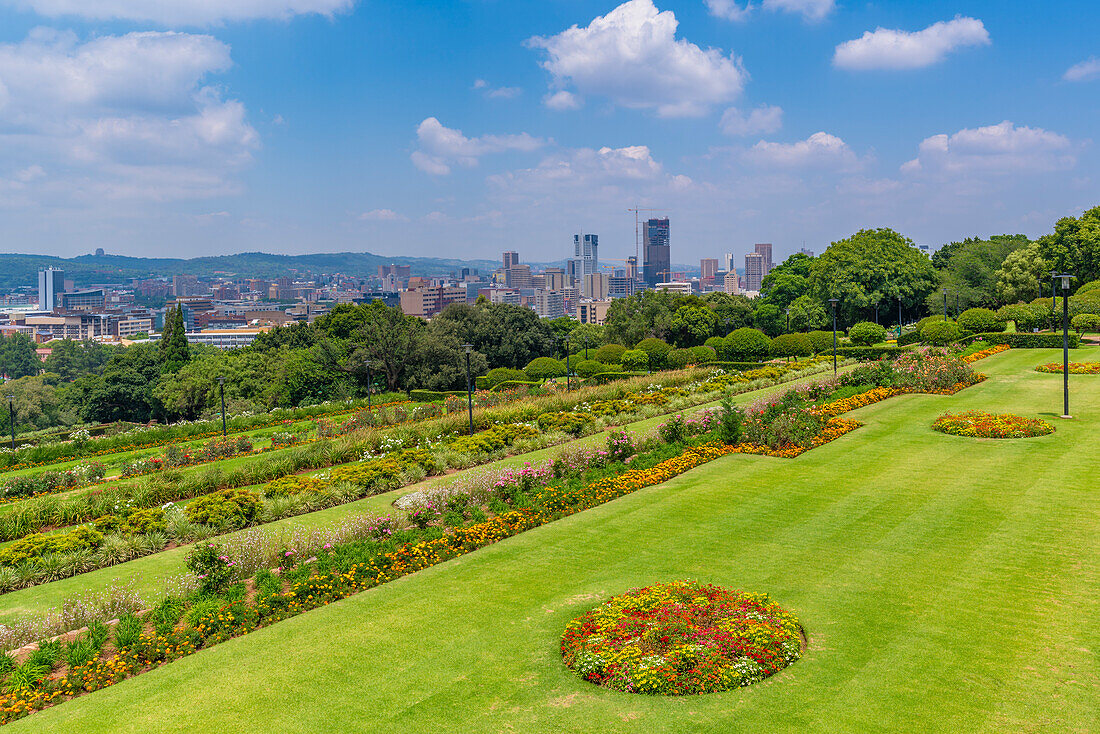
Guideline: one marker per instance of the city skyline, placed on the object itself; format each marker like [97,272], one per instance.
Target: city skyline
[227,128]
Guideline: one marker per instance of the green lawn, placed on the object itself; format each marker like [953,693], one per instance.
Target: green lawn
[946,585]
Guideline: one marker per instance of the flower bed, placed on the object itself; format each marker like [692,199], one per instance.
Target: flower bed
[1075,368]
[979,424]
[681,638]
[986,353]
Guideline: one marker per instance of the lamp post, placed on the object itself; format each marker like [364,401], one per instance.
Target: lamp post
[469,387]
[876,312]
[567,369]
[586,349]
[11,415]
[832,305]
[788,310]
[221,389]
[1066,278]
[369,406]
[945,304]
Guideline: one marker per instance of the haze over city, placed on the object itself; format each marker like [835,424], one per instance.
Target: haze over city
[464,129]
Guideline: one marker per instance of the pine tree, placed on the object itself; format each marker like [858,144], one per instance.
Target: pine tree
[175,351]
[166,333]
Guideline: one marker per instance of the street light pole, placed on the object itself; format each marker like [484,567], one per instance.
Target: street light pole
[1066,277]
[586,349]
[832,303]
[369,406]
[788,310]
[945,304]
[469,387]
[221,389]
[11,415]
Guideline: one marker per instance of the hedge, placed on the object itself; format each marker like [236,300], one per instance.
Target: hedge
[510,384]
[868,354]
[434,396]
[1024,340]
[739,366]
[913,337]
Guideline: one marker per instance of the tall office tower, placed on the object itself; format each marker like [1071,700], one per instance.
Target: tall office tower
[730,283]
[708,266]
[586,248]
[807,253]
[765,249]
[51,284]
[574,272]
[755,270]
[555,279]
[511,259]
[727,262]
[656,253]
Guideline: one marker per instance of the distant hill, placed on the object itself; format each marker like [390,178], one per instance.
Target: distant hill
[22,270]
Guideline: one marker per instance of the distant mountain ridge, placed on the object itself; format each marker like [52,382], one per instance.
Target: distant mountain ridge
[22,269]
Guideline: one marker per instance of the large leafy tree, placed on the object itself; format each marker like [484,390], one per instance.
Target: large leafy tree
[1022,275]
[387,339]
[787,281]
[770,319]
[645,314]
[693,325]
[733,311]
[1074,246]
[125,390]
[972,269]
[873,265]
[70,359]
[808,314]
[18,357]
[508,335]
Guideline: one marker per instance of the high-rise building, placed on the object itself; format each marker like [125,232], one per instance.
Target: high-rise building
[51,284]
[632,268]
[511,259]
[555,279]
[727,262]
[731,284]
[765,250]
[807,253]
[708,266]
[518,276]
[586,249]
[656,252]
[594,286]
[756,267]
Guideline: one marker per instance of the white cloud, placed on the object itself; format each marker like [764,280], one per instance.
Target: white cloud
[186,12]
[584,168]
[383,215]
[491,92]
[632,56]
[441,146]
[1001,149]
[561,101]
[1084,71]
[123,115]
[820,150]
[764,119]
[729,9]
[810,10]
[886,48]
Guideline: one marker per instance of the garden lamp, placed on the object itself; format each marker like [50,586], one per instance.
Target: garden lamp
[469,387]
[221,389]
[945,304]
[788,310]
[832,305]
[1065,278]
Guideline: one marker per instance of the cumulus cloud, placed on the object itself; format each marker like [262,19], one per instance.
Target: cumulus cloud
[1084,71]
[561,101]
[588,169]
[632,56]
[764,119]
[124,115]
[186,12]
[886,48]
[820,150]
[383,215]
[810,10]
[441,147]
[1000,149]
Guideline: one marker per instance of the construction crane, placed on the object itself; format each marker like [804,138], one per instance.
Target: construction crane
[638,228]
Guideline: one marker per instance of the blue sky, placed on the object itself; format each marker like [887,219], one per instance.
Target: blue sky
[466,128]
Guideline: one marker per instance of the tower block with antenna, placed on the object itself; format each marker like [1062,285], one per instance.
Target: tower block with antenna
[638,234]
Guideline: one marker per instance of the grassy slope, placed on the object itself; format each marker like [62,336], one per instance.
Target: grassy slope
[946,585]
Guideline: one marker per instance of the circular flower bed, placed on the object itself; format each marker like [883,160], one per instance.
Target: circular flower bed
[979,424]
[1075,368]
[680,638]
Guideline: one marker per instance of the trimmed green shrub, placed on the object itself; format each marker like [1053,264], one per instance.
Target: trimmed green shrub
[502,374]
[224,507]
[513,384]
[542,368]
[605,377]
[1026,340]
[635,359]
[678,359]
[657,350]
[716,343]
[912,337]
[981,320]
[436,396]
[1085,322]
[144,521]
[792,345]
[822,341]
[869,354]
[866,333]
[609,353]
[746,345]
[940,333]
[572,423]
[702,354]
[933,319]
[589,367]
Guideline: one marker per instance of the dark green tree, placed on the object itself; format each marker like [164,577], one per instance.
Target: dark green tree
[693,325]
[787,281]
[770,319]
[1074,246]
[174,349]
[18,356]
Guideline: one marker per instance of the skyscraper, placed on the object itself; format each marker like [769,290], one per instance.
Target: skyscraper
[727,262]
[708,266]
[755,270]
[656,252]
[51,284]
[586,249]
[511,259]
[764,249]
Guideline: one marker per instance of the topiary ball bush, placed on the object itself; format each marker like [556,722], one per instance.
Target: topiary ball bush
[502,374]
[635,359]
[1085,322]
[866,333]
[656,349]
[702,354]
[542,368]
[609,353]
[747,345]
[678,359]
[981,321]
[822,341]
[939,333]
[588,367]
[792,345]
